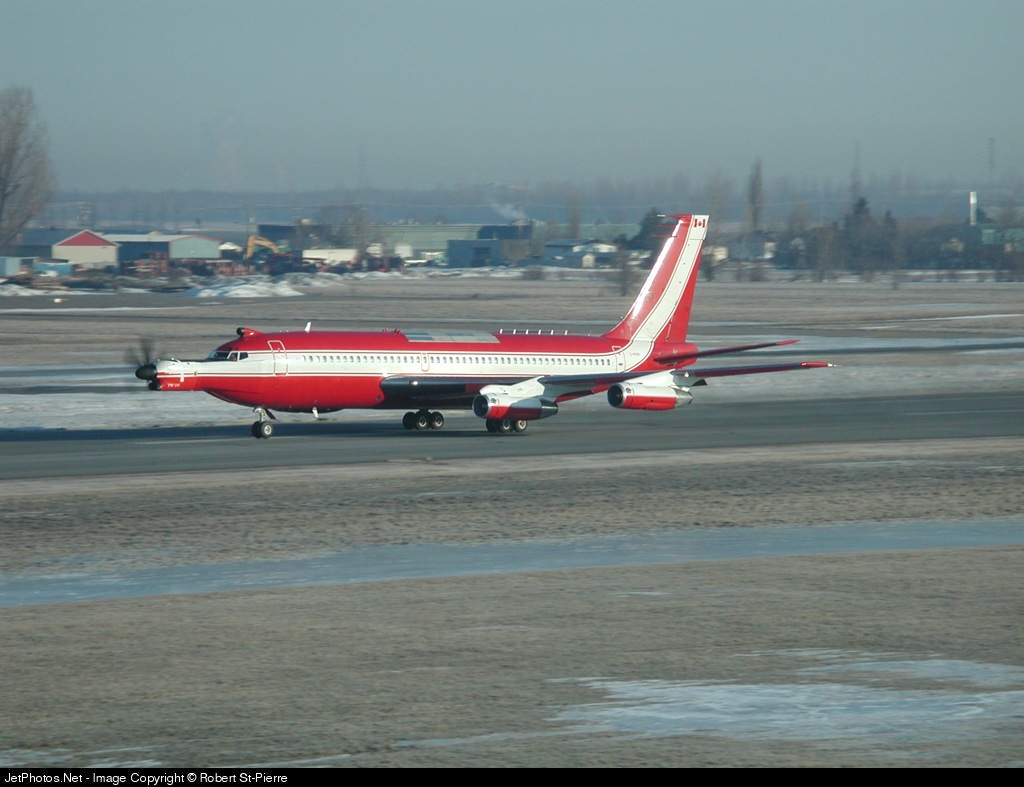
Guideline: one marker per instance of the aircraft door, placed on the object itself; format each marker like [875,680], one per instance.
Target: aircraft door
[280,357]
[424,362]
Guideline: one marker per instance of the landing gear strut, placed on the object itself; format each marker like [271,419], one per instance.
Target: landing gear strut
[422,419]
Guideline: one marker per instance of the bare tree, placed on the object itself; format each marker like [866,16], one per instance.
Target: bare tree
[26,175]
[573,228]
[825,252]
[718,193]
[755,197]
[1008,217]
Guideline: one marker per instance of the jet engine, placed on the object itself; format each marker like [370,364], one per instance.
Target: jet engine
[497,405]
[635,396]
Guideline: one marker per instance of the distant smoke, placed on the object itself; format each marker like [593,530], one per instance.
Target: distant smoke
[510,212]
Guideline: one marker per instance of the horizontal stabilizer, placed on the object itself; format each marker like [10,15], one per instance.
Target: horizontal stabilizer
[673,359]
[733,371]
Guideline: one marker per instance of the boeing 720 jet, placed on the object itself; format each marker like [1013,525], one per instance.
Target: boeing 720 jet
[507,379]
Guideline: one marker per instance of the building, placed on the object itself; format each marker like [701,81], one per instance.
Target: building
[580,253]
[37,242]
[409,241]
[475,253]
[1010,238]
[329,258]
[156,245]
[87,250]
[15,266]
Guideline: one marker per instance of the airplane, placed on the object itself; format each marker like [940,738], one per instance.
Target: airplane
[507,378]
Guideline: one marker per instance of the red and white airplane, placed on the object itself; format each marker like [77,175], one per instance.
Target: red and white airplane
[508,379]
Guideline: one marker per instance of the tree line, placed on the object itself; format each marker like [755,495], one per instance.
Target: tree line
[869,245]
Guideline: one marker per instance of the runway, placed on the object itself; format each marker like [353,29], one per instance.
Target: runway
[580,428]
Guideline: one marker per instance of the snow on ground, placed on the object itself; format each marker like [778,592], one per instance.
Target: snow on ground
[293,284]
[264,288]
[8,290]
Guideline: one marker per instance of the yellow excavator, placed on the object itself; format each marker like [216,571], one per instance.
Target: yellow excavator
[275,260]
[254,242]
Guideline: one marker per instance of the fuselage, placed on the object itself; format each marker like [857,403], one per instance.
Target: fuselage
[303,371]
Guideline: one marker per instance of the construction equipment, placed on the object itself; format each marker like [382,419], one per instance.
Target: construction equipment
[254,242]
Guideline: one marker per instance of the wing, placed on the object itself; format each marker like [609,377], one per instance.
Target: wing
[437,391]
[460,391]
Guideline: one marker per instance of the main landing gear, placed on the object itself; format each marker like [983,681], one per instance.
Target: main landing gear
[506,425]
[425,419]
[263,429]
[422,419]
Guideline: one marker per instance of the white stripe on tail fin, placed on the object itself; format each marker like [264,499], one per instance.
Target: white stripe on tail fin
[662,309]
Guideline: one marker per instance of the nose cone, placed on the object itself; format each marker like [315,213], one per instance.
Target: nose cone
[146,372]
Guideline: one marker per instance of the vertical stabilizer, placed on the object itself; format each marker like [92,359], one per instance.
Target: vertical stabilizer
[662,309]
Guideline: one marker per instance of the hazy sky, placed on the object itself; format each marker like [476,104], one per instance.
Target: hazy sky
[296,94]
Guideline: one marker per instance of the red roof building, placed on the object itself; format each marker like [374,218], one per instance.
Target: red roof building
[87,249]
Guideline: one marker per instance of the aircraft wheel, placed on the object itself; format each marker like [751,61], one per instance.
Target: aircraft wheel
[505,425]
[266,429]
[436,420]
[421,420]
[409,420]
[492,425]
[520,425]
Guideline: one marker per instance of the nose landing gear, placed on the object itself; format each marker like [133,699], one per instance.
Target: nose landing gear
[263,429]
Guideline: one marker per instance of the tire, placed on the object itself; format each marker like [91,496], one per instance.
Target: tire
[421,421]
[409,420]
[436,420]
[505,425]
[520,425]
[266,430]
[492,425]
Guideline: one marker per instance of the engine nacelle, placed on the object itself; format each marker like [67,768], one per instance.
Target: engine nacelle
[172,376]
[633,396]
[496,405]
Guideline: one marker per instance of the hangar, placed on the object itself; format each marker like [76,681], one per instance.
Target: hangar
[87,249]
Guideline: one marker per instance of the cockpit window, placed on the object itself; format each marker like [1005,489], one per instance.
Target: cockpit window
[228,355]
